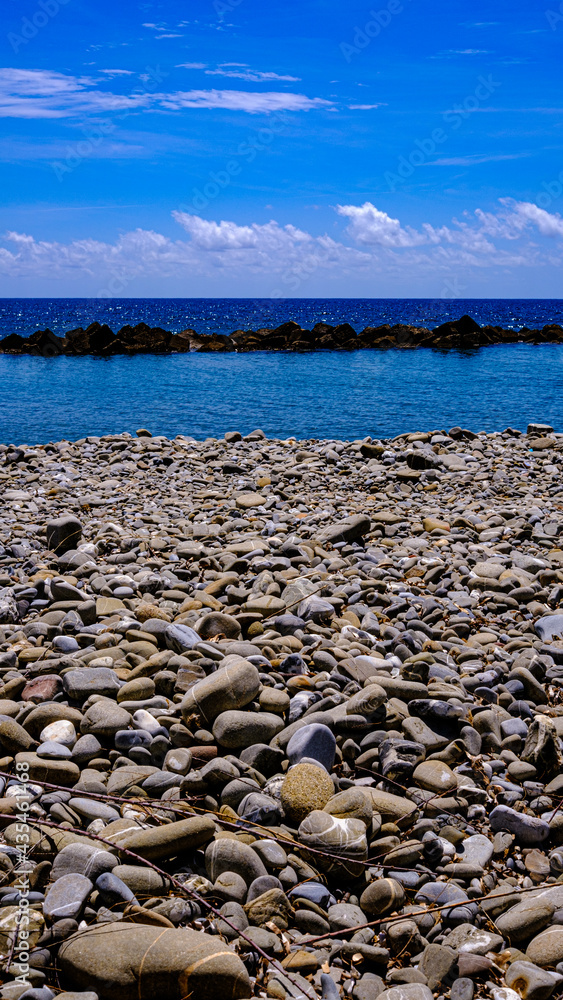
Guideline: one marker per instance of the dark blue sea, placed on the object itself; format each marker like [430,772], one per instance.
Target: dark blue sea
[24,316]
[327,394]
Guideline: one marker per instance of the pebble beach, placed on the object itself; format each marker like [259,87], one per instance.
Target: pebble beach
[282,718]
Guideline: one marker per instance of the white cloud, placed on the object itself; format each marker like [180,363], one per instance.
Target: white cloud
[475,158]
[164,29]
[117,72]
[41,82]
[517,217]
[217,235]
[365,107]
[253,76]
[547,224]
[451,53]
[47,94]
[515,235]
[467,243]
[242,100]
[268,250]
[228,236]
[369,226]
[192,65]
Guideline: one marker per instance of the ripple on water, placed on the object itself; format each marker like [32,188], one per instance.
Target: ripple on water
[332,394]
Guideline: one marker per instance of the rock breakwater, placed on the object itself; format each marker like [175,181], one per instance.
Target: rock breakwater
[282,718]
[98,339]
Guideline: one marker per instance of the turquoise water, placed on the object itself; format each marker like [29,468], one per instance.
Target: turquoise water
[332,394]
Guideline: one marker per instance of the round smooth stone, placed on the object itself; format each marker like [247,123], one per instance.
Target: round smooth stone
[344,915]
[337,836]
[231,887]
[127,738]
[547,947]
[233,856]
[271,853]
[178,761]
[305,788]
[181,638]
[85,749]
[383,896]
[65,644]
[113,890]
[133,957]
[236,730]
[158,782]
[50,750]
[258,808]
[261,885]
[145,721]
[91,809]
[217,624]
[441,893]
[315,741]
[104,718]
[82,859]
[315,892]
[62,731]
[67,897]
[530,830]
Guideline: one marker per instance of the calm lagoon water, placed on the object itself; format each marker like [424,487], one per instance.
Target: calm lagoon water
[332,394]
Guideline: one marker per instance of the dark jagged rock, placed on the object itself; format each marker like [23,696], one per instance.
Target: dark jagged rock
[98,339]
[94,340]
[144,339]
[179,343]
[42,342]
[13,344]
[217,342]
[462,327]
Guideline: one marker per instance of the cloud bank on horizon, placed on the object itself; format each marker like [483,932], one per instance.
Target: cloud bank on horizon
[400,150]
[374,246]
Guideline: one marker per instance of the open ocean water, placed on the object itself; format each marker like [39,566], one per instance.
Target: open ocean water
[325,394]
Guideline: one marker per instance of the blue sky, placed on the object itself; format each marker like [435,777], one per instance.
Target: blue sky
[312,148]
